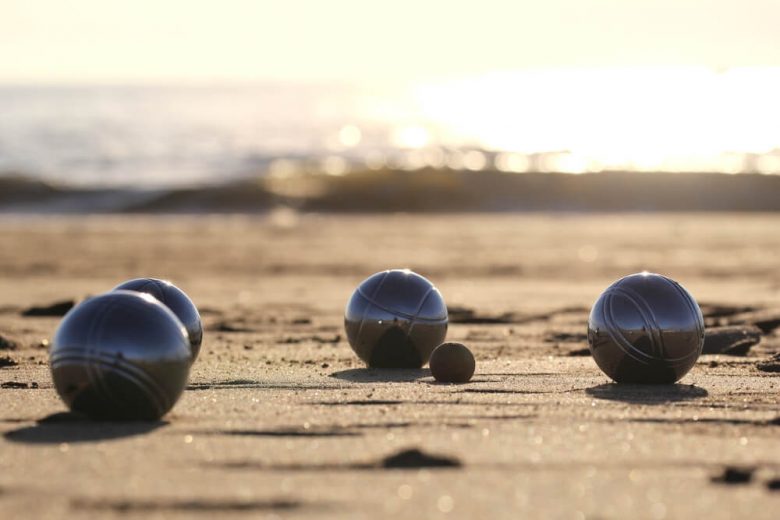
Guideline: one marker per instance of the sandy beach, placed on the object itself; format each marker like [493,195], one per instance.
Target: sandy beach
[281,420]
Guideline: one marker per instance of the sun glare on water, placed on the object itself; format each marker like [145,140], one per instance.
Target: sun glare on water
[645,119]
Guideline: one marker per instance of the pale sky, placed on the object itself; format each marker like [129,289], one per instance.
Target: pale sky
[321,40]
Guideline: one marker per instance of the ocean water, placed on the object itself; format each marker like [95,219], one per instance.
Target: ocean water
[174,135]
[570,121]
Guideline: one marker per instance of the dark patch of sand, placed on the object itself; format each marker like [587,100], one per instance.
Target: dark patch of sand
[56,309]
[732,341]
[735,475]
[7,361]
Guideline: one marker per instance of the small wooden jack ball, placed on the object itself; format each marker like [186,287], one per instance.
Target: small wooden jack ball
[452,363]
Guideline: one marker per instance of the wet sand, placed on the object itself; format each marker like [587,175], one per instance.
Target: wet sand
[281,420]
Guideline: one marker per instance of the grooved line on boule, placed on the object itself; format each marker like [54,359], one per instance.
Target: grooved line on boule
[657,346]
[401,313]
[96,376]
[93,338]
[161,289]
[94,360]
[673,361]
[370,302]
[158,401]
[622,342]
[612,329]
[424,299]
[106,359]
[692,305]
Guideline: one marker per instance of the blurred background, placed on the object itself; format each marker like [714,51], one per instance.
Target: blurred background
[109,105]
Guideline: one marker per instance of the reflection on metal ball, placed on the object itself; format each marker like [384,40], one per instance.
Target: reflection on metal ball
[176,300]
[395,319]
[121,355]
[645,328]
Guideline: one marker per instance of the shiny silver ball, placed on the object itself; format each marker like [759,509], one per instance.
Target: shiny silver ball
[645,328]
[395,319]
[176,300]
[121,355]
